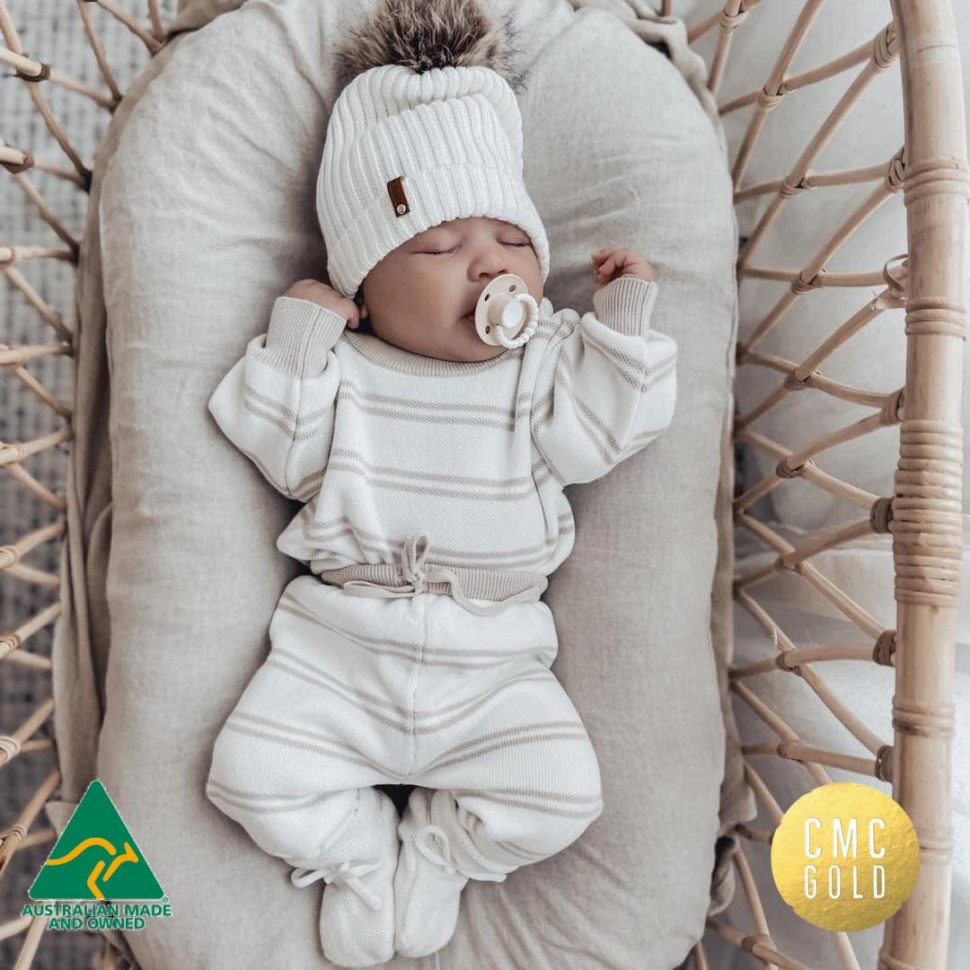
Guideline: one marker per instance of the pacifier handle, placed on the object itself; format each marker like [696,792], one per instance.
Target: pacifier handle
[504,307]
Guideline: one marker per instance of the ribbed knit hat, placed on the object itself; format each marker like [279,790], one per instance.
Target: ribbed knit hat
[408,149]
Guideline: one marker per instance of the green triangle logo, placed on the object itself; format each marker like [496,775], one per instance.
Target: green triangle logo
[95,857]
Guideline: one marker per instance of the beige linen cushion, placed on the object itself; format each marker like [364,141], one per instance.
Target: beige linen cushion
[207,214]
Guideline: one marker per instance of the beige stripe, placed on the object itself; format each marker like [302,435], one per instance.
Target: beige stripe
[418,404]
[524,555]
[307,423]
[508,733]
[251,801]
[518,851]
[417,475]
[301,732]
[596,423]
[281,409]
[656,373]
[318,528]
[545,796]
[618,358]
[306,612]
[324,524]
[427,489]
[608,447]
[309,485]
[269,418]
[298,668]
[643,378]
[304,744]
[604,451]
[542,475]
[474,422]
[515,742]
[556,474]
[391,362]
[324,529]
[461,659]
[431,713]
[305,798]
[543,809]
[285,411]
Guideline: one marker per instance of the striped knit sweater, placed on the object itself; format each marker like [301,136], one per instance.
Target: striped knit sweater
[382,444]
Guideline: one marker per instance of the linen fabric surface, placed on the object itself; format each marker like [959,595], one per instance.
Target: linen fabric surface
[206,192]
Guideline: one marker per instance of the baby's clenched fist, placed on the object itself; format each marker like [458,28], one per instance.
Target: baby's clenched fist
[327,297]
[611,263]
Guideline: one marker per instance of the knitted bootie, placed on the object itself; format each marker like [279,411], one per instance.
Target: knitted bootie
[357,913]
[427,884]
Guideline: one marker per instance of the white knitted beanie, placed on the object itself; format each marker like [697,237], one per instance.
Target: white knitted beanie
[406,151]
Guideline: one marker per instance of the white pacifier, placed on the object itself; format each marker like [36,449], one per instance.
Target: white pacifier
[506,312]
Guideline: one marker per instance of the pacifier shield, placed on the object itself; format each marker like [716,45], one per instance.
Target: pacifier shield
[492,301]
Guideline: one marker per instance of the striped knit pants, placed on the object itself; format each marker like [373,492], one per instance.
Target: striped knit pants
[361,691]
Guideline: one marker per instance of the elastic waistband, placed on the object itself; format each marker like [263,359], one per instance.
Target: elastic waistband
[413,574]
[485,584]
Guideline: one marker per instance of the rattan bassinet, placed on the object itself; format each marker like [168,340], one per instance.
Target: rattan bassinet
[930,176]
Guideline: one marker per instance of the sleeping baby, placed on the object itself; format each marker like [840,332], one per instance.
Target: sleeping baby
[427,409]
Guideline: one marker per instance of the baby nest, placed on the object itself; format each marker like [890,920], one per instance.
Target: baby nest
[169,554]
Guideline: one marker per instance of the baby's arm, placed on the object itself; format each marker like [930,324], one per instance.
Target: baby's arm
[609,387]
[277,403]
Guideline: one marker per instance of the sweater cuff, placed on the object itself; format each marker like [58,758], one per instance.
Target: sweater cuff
[625,304]
[301,334]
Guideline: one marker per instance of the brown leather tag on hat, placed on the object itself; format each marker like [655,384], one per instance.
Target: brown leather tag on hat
[395,189]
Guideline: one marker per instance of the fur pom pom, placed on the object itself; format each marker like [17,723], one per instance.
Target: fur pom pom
[423,34]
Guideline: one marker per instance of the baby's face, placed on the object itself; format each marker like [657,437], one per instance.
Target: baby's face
[422,296]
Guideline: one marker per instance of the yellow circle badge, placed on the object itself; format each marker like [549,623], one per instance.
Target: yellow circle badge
[845,856]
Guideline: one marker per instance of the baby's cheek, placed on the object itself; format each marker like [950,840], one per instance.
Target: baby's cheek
[444,290]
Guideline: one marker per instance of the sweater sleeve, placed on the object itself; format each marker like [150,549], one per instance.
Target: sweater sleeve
[276,405]
[606,389]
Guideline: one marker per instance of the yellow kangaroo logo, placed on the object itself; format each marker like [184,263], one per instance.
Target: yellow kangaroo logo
[92,881]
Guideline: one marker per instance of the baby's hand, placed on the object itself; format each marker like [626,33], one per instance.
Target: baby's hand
[326,296]
[608,264]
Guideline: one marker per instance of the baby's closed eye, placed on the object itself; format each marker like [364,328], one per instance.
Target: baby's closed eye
[455,248]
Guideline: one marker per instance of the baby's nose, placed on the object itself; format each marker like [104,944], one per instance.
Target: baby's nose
[490,265]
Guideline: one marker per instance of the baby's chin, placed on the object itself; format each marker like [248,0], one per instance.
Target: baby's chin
[478,352]
[463,347]
[468,347]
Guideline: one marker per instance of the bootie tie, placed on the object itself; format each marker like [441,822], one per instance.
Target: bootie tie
[357,914]
[427,884]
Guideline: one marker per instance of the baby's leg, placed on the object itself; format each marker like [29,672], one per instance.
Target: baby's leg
[303,829]
[321,818]
[295,763]
[523,786]
[517,781]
